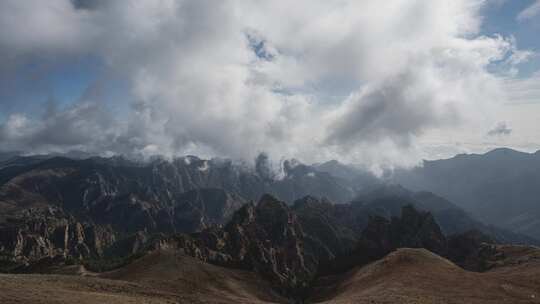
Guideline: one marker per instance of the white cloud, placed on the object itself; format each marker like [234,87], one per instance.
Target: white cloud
[199,86]
[76,127]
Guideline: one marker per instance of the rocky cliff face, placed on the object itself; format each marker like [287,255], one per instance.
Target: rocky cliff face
[413,229]
[334,230]
[199,209]
[269,238]
[330,230]
[36,234]
[266,238]
[79,208]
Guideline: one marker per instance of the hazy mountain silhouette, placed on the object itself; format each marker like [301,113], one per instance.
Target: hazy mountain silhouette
[501,187]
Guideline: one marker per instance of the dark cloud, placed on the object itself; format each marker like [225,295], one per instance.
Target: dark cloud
[501,129]
[88,4]
[397,110]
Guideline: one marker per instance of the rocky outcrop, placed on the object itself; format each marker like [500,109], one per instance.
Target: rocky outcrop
[417,229]
[473,250]
[38,234]
[266,238]
[329,229]
[414,229]
[199,209]
[270,239]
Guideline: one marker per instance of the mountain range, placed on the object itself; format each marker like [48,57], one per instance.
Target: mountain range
[315,233]
[501,187]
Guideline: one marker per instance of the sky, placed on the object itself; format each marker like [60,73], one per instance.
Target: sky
[375,83]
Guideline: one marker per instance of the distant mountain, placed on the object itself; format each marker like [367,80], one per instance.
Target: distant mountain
[501,187]
[388,200]
[357,178]
[188,173]
[338,226]
[4,156]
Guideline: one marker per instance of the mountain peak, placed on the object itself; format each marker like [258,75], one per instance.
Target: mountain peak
[504,151]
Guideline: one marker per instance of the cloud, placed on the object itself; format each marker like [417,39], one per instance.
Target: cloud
[357,80]
[80,126]
[500,129]
[523,90]
[530,12]
[88,4]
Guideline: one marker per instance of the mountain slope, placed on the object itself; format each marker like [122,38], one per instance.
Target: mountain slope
[334,229]
[501,187]
[162,276]
[404,276]
[419,276]
[388,200]
[169,271]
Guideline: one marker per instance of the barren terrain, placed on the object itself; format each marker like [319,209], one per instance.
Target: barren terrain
[404,276]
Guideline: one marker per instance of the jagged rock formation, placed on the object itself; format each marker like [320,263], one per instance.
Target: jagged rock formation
[333,230]
[181,196]
[80,208]
[329,229]
[266,238]
[47,233]
[414,229]
[199,209]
